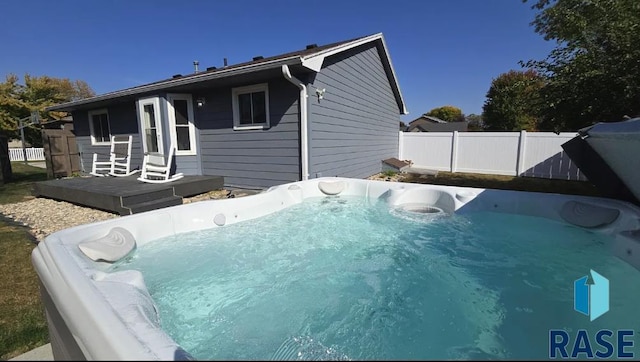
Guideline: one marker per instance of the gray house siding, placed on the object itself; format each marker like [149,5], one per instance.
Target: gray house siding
[355,126]
[122,121]
[251,158]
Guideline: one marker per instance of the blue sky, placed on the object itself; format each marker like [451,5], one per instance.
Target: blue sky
[444,52]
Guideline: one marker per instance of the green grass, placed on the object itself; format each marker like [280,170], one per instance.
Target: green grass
[19,188]
[500,182]
[22,322]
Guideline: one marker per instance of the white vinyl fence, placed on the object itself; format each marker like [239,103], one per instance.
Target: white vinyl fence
[33,154]
[533,154]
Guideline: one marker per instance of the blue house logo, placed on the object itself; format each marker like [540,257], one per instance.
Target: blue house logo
[591,296]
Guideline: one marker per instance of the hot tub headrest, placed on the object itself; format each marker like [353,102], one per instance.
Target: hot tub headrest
[332,188]
[111,247]
[587,215]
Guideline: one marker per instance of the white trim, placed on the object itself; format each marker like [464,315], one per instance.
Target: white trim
[173,135]
[155,101]
[314,61]
[235,92]
[92,113]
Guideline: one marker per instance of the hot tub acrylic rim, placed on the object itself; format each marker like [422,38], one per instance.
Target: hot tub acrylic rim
[67,274]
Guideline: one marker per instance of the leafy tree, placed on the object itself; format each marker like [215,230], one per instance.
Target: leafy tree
[447,113]
[513,101]
[475,122]
[593,74]
[17,101]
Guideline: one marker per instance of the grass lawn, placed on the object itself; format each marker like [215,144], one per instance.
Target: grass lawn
[22,322]
[19,189]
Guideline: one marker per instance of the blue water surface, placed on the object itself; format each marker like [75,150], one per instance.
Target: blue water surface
[341,278]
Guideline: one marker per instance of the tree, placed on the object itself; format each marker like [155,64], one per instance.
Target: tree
[447,113]
[593,74]
[475,122]
[513,101]
[17,101]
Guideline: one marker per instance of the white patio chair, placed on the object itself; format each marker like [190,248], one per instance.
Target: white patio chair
[155,169]
[119,163]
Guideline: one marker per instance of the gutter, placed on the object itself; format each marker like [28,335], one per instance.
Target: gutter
[304,141]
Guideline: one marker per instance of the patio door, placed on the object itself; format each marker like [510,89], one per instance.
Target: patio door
[150,124]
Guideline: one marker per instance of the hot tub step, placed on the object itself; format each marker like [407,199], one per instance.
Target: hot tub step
[155,204]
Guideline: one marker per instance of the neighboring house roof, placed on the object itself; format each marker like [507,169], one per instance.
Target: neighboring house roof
[423,125]
[311,58]
[424,117]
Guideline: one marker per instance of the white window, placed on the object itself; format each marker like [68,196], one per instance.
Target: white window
[181,125]
[99,127]
[251,107]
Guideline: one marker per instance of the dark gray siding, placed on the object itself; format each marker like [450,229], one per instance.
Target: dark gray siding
[251,158]
[122,121]
[355,126]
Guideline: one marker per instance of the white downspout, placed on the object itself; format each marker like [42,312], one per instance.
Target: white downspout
[304,142]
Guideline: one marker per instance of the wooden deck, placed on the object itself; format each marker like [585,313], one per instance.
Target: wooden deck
[125,195]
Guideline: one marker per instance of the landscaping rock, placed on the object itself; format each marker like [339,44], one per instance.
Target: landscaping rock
[45,216]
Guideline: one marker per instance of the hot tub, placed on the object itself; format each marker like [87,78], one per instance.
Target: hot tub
[96,312]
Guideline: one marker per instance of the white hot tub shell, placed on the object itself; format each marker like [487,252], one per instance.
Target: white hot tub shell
[96,315]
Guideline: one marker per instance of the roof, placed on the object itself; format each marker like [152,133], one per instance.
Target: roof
[427,126]
[311,58]
[424,117]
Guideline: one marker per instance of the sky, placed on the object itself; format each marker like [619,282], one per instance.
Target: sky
[444,52]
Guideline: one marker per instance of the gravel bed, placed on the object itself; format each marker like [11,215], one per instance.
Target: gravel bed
[45,216]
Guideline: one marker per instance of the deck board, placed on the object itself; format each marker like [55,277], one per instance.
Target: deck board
[122,194]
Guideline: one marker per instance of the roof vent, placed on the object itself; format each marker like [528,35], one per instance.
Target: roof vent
[177,76]
[225,62]
[211,68]
[258,57]
[311,46]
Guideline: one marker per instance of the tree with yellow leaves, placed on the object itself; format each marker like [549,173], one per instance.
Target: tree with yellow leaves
[17,101]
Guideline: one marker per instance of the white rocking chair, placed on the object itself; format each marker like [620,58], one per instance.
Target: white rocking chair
[119,163]
[156,170]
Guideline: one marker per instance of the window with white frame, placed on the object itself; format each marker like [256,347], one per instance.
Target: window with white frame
[251,107]
[99,127]
[181,123]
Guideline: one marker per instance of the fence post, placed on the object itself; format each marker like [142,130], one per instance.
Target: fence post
[521,153]
[400,145]
[454,152]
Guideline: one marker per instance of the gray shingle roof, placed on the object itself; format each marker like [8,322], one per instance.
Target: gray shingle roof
[257,64]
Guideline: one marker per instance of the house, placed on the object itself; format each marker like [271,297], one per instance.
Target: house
[329,110]
[426,123]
